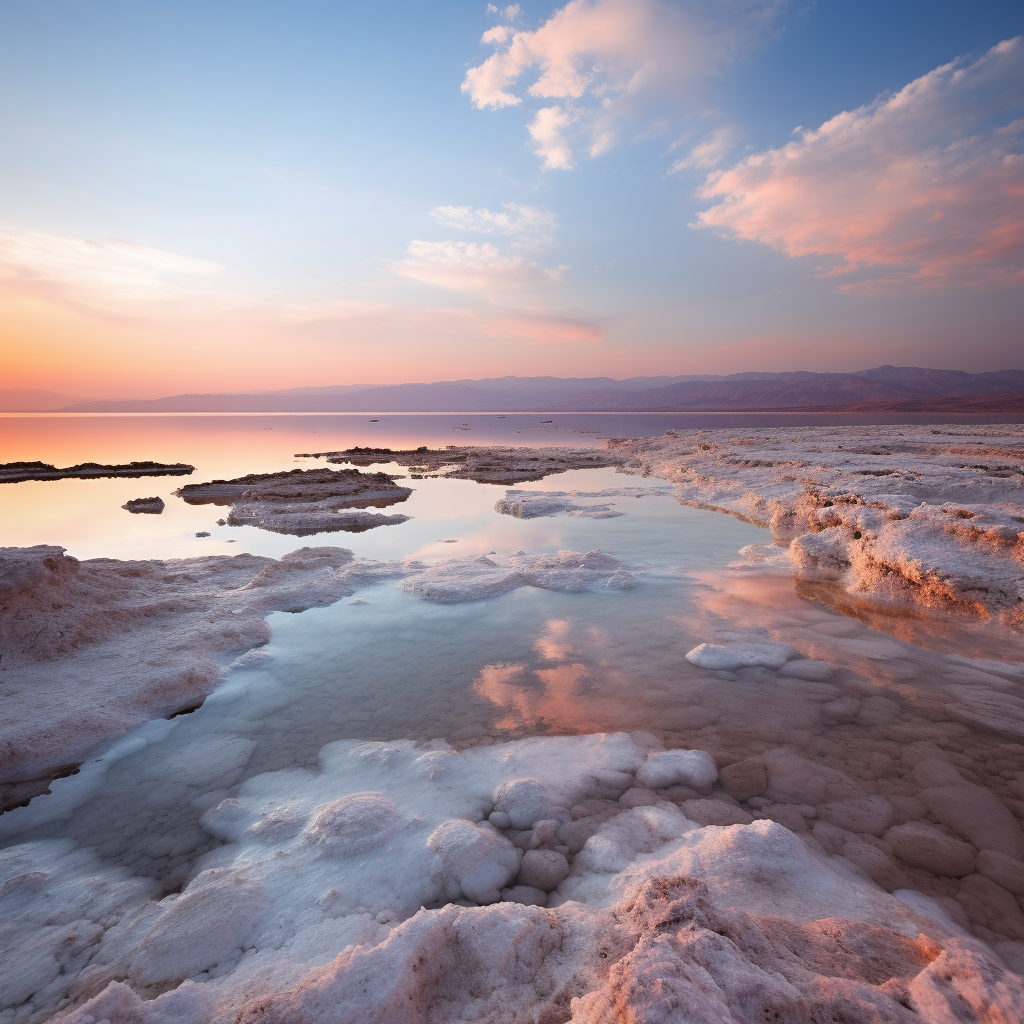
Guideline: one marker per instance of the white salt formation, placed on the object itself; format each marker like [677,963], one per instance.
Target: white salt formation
[464,579]
[922,514]
[491,464]
[303,502]
[518,882]
[534,504]
[92,649]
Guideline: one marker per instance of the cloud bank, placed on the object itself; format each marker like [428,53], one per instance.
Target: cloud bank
[922,188]
[611,62]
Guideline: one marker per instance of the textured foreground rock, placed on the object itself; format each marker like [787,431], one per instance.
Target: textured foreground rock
[331,902]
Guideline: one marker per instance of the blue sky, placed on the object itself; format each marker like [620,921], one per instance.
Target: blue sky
[269,172]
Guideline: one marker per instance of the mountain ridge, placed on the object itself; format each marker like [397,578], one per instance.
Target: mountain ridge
[908,388]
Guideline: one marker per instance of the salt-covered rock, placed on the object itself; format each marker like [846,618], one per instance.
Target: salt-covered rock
[534,504]
[744,779]
[500,820]
[807,668]
[1005,871]
[714,812]
[794,779]
[728,658]
[524,801]
[694,768]
[475,863]
[878,710]
[543,869]
[978,816]
[879,866]
[525,895]
[207,926]
[922,846]
[871,814]
[933,772]
[354,824]
[991,906]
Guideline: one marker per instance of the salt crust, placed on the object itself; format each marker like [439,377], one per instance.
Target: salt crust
[136,640]
[534,504]
[933,515]
[303,502]
[312,910]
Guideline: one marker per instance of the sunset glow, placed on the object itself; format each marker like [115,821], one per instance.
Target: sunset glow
[612,187]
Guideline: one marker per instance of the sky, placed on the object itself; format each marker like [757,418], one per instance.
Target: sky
[235,196]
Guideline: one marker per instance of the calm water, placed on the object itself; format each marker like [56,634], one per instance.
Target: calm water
[531,662]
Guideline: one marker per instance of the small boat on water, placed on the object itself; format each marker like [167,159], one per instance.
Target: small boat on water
[375,421]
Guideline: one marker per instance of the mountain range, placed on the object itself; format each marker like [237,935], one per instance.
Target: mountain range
[883,388]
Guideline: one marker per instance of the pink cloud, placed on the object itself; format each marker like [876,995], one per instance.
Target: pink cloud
[923,187]
[472,267]
[611,61]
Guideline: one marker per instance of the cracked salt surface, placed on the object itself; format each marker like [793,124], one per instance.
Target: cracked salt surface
[274,847]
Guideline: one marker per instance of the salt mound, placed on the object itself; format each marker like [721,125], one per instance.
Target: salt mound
[727,658]
[533,505]
[352,825]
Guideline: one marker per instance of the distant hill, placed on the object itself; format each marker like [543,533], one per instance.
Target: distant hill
[881,389]
[910,388]
[494,394]
[34,400]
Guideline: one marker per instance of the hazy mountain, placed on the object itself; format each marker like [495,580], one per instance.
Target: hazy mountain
[802,389]
[494,394]
[34,400]
[872,390]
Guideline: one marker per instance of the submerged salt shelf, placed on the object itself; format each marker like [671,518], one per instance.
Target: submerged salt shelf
[703,790]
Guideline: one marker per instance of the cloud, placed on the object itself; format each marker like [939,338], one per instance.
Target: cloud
[472,267]
[527,224]
[710,152]
[611,62]
[924,187]
[114,266]
[547,130]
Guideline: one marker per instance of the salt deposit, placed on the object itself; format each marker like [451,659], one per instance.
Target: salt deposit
[533,504]
[301,502]
[921,514]
[15,472]
[374,889]
[486,464]
[150,506]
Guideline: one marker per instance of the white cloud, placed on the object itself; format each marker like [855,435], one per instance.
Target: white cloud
[611,63]
[111,263]
[527,224]
[509,13]
[925,186]
[472,267]
[548,131]
[709,152]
